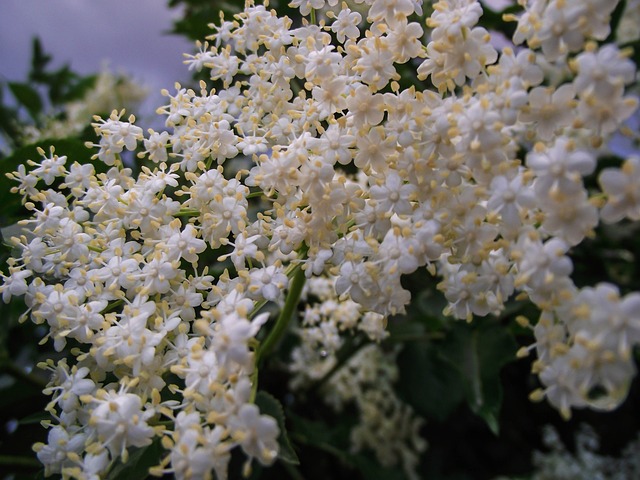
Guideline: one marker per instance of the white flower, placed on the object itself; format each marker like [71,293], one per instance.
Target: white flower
[201,371]
[392,195]
[551,109]
[330,97]
[560,168]
[184,244]
[231,338]
[541,266]
[257,434]
[120,421]
[116,135]
[267,283]
[79,177]
[571,218]
[375,65]
[60,442]
[604,72]
[198,451]
[345,25]
[68,385]
[365,107]
[129,341]
[15,284]
[156,146]
[157,275]
[322,65]
[390,11]
[511,199]
[622,187]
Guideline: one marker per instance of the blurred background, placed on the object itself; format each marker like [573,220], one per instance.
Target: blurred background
[132,37]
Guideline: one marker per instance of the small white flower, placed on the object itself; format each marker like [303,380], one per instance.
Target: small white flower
[120,421]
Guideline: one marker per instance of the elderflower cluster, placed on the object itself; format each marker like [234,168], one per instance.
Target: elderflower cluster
[155,283]
[109,91]
[585,460]
[386,425]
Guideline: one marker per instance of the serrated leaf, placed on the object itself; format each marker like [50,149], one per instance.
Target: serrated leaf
[28,97]
[39,61]
[478,352]
[269,405]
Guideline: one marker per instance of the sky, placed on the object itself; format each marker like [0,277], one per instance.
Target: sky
[129,35]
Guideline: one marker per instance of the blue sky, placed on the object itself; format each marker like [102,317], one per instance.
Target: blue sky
[129,35]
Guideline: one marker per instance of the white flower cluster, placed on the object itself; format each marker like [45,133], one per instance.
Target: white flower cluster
[113,265]
[110,91]
[386,425]
[109,267]
[585,461]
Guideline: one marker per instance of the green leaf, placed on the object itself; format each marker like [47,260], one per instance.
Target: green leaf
[79,89]
[39,61]
[371,469]
[309,431]
[269,405]
[478,352]
[139,462]
[429,306]
[35,418]
[428,382]
[27,96]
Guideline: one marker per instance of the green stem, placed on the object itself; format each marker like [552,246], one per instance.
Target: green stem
[19,461]
[187,212]
[289,272]
[254,385]
[313,16]
[111,307]
[257,308]
[299,438]
[293,297]
[19,373]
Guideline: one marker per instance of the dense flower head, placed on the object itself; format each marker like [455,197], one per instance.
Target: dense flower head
[160,277]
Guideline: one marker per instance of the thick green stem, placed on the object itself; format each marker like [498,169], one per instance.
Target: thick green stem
[293,297]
